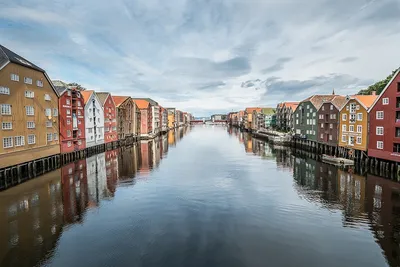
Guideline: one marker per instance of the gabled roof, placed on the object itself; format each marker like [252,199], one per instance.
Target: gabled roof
[86,95]
[118,100]
[292,105]
[338,101]
[318,100]
[17,59]
[268,111]
[365,100]
[386,87]
[102,97]
[149,100]
[250,110]
[60,86]
[141,103]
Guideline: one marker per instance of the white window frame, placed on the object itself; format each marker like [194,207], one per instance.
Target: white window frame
[359,117]
[330,137]
[49,135]
[378,113]
[331,107]
[380,130]
[344,128]
[69,133]
[6,125]
[68,102]
[322,125]
[29,94]
[19,140]
[55,136]
[29,111]
[379,144]
[68,112]
[9,140]
[4,90]
[344,139]
[47,112]
[14,77]
[30,137]
[351,128]
[32,123]
[39,83]
[49,124]
[385,101]
[330,126]
[69,144]
[321,136]
[68,121]
[359,140]
[344,117]
[359,128]
[55,112]
[5,109]
[27,80]
[47,97]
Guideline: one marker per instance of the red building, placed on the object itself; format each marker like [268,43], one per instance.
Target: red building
[110,117]
[71,115]
[145,117]
[384,123]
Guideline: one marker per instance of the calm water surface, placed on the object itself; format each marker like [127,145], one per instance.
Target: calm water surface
[201,196]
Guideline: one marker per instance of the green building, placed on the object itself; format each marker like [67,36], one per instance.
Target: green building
[269,117]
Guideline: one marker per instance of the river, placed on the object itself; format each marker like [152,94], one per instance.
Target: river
[201,196]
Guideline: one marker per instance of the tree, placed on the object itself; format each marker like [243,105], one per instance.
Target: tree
[378,86]
[77,86]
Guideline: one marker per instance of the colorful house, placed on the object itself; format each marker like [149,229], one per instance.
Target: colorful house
[248,117]
[164,119]
[71,117]
[145,108]
[171,118]
[305,116]
[110,117]
[329,121]
[155,115]
[94,119]
[384,123]
[28,111]
[353,130]
[125,115]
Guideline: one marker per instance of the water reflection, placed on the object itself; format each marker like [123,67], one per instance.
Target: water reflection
[34,214]
[370,203]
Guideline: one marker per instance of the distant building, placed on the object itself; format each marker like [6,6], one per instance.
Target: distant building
[284,115]
[94,119]
[155,115]
[28,111]
[248,117]
[171,118]
[110,117]
[126,117]
[146,111]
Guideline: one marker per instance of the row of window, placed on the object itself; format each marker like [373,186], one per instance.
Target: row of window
[18,141]
[351,128]
[5,109]
[29,125]
[330,125]
[322,137]
[107,129]
[15,77]
[351,139]
[331,116]
[323,107]
[310,132]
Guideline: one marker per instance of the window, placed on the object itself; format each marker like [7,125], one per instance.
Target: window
[359,116]
[297,115]
[68,102]
[55,136]
[347,107]
[69,144]
[90,130]
[68,121]
[79,121]
[68,112]
[379,115]
[79,132]
[98,119]
[49,137]
[352,107]
[29,94]
[19,140]
[331,107]
[14,77]
[80,142]
[314,114]
[7,142]
[379,145]
[379,130]
[30,125]
[351,128]
[359,129]
[79,103]
[106,129]
[5,109]
[68,133]
[27,80]
[114,128]
[313,122]
[31,139]
[334,116]
[359,139]
[4,90]
[47,97]
[352,118]
[323,108]
[47,112]
[343,138]
[344,117]
[49,124]
[322,136]
[322,125]
[69,93]
[331,126]
[344,128]
[297,121]
[6,125]
[330,137]
[39,83]
[385,101]
[55,112]
[79,112]
[30,111]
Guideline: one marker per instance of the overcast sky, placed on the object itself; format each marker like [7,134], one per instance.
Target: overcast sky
[208,56]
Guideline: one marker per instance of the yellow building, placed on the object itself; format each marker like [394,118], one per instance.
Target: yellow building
[248,117]
[353,129]
[171,118]
[29,127]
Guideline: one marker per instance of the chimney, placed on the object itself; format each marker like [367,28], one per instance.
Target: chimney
[373,93]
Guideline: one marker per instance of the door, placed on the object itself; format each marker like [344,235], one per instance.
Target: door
[351,140]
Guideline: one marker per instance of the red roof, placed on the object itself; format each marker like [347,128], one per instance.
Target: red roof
[118,100]
[86,95]
[250,110]
[142,104]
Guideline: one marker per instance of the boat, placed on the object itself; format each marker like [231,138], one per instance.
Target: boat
[337,160]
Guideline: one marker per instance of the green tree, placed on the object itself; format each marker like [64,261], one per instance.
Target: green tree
[378,86]
[77,86]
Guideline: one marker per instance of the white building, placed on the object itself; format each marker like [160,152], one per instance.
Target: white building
[96,178]
[156,124]
[94,119]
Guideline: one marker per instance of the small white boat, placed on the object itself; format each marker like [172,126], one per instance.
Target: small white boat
[337,161]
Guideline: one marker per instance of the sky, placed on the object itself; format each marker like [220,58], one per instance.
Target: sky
[208,56]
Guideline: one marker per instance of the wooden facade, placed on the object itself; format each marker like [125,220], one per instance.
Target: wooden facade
[328,121]
[353,130]
[94,119]
[384,121]
[145,117]
[171,118]
[110,117]
[137,118]
[29,127]
[125,116]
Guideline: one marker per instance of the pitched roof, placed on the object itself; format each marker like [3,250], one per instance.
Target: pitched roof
[86,95]
[6,54]
[60,86]
[339,101]
[149,100]
[366,100]
[250,110]
[118,100]
[102,97]
[141,103]
[387,86]
[318,100]
[268,111]
[292,105]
